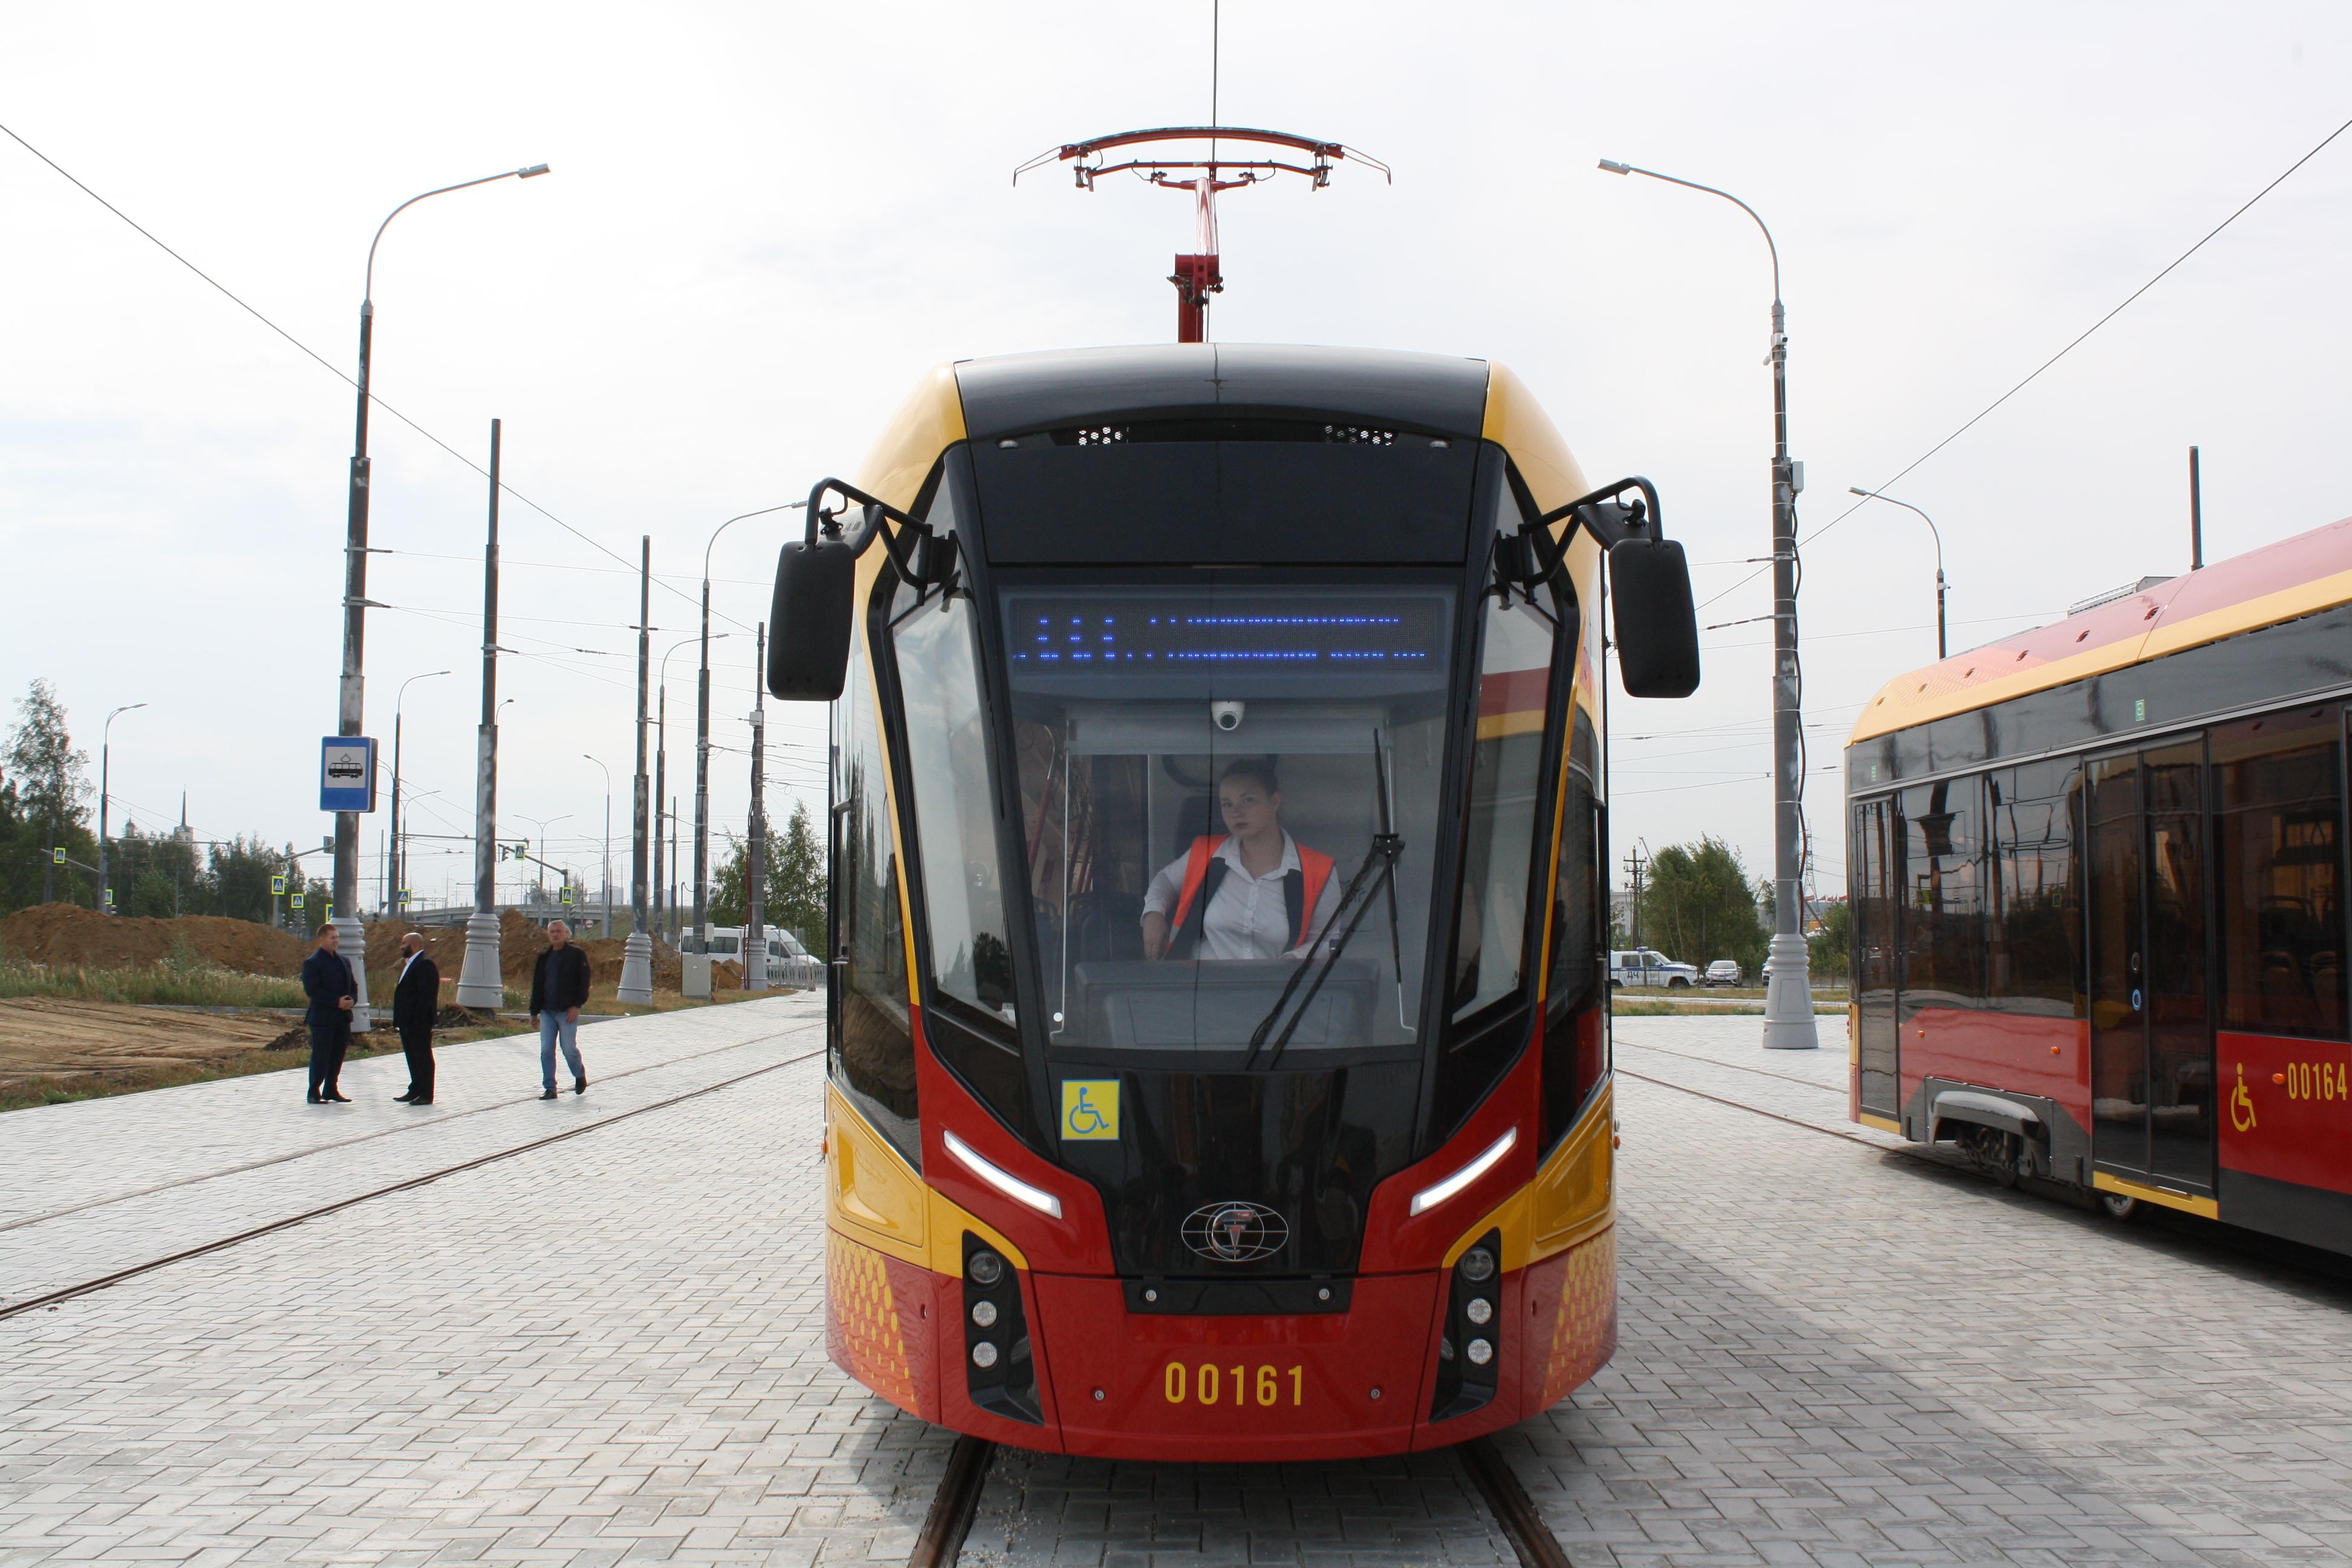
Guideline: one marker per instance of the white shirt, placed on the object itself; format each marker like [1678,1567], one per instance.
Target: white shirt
[404,967]
[1249,918]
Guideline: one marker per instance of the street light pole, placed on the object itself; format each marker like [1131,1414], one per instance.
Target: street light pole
[607,862]
[1789,997]
[105,761]
[395,897]
[638,957]
[348,707]
[1941,652]
[482,981]
[702,740]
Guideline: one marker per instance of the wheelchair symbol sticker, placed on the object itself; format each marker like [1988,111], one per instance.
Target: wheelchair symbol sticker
[1090,1108]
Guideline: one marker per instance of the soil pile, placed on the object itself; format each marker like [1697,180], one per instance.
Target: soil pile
[64,936]
[48,1037]
[521,942]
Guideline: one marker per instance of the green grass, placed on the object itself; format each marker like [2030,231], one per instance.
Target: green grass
[167,982]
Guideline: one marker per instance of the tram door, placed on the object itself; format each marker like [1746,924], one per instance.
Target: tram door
[1874,939]
[2151,1035]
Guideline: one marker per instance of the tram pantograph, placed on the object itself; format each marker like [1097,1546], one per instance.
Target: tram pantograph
[1217,1003]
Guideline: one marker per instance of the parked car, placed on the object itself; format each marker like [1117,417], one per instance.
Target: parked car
[1722,971]
[1646,966]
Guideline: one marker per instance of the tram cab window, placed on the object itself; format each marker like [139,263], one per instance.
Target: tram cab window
[1228,746]
[1506,780]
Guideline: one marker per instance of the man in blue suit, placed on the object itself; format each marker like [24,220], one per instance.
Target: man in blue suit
[326,982]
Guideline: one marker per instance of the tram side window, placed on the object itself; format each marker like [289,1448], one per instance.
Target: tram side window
[1576,1041]
[2279,863]
[2033,951]
[1943,914]
[876,1063]
[1506,778]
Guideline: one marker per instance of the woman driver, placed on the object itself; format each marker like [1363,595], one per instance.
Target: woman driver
[1251,891]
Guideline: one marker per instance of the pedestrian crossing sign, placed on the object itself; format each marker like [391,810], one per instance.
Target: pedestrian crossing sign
[58,856]
[277,887]
[567,895]
[298,901]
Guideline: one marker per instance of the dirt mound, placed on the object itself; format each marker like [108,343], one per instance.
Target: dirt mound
[64,935]
[50,1038]
[521,942]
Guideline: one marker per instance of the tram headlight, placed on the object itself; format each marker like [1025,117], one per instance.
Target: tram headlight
[1477,1265]
[984,1314]
[1480,1311]
[984,1354]
[1480,1352]
[986,1269]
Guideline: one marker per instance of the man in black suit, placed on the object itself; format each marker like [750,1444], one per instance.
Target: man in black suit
[326,982]
[415,999]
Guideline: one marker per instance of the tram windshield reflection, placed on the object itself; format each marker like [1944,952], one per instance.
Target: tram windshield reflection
[1202,773]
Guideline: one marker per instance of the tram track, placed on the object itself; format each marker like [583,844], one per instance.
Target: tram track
[304,1153]
[1735,1066]
[120,1276]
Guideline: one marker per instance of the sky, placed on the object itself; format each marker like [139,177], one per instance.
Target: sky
[763,222]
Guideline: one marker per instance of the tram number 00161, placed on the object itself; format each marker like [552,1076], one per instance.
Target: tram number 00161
[1208,1384]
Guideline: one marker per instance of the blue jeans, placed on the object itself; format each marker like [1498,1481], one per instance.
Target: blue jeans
[554,1025]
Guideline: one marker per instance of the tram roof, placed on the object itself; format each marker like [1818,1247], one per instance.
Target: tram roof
[2294,577]
[1435,394]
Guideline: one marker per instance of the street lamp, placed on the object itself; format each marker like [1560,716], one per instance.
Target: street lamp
[1788,998]
[105,892]
[542,824]
[394,896]
[702,738]
[1937,536]
[608,845]
[348,715]
[661,774]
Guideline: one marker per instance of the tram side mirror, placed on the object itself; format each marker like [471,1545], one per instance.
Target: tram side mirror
[808,624]
[1657,629]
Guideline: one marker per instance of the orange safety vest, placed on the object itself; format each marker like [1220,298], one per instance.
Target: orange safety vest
[1301,888]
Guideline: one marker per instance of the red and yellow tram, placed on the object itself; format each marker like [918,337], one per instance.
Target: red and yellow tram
[2098,894]
[1218,1046]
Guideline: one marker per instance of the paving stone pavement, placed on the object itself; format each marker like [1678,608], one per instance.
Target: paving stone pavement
[170,1176]
[611,1349]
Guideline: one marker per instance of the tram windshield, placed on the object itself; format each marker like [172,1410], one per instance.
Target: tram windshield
[1229,810]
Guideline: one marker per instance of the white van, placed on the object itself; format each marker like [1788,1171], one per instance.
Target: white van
[789,963]
[1646,966]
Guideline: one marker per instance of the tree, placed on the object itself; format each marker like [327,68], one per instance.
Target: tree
[1697,905]
[44,802]
[795,881]
[1833,945]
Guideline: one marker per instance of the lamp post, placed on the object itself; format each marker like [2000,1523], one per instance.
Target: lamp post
[542,824]
[702,739]
[347,713]
[661,785]
[105,744]
[481,979]
[395,897]
[607,862]
[1789,997]
[1941,652]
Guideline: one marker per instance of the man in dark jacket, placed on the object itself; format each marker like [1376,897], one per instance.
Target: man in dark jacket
[415,997]
[326,982]
[559,986]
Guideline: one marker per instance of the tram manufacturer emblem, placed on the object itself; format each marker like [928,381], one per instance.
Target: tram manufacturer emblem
[1234,1232]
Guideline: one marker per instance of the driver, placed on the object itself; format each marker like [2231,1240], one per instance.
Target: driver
[1251,891]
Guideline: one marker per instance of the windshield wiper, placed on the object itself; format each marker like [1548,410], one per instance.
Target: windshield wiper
[1377,873]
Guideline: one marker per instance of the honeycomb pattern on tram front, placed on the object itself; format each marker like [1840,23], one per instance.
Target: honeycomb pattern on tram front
[1584,1325]
[869,1336]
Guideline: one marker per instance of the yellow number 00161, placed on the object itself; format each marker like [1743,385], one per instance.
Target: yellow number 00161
[1209,1382]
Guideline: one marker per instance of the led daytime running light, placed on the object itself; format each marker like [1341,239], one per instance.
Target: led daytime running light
[1429,1197]
[1011,1186]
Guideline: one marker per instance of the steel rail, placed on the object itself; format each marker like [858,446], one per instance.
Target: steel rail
[1523,1525]
[68,1292]
[953,1506]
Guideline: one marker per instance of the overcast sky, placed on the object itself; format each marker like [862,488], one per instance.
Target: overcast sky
[764,222]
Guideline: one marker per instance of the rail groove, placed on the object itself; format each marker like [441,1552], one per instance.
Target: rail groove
[954,1504]
[1522,1523]
[68,1292]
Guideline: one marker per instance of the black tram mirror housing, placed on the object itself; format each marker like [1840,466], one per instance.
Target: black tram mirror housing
[809,619]
[1653,620]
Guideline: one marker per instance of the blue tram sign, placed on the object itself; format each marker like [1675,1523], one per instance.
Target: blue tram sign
[346,774]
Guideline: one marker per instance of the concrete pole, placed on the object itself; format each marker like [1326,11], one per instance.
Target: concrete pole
[1788,995]
[481,983]
[755,933]
[638,954]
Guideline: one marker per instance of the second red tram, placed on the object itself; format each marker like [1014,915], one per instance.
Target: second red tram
[1217,1004]
[2098,893]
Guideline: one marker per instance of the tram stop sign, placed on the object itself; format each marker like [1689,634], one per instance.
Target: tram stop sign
[346,774]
